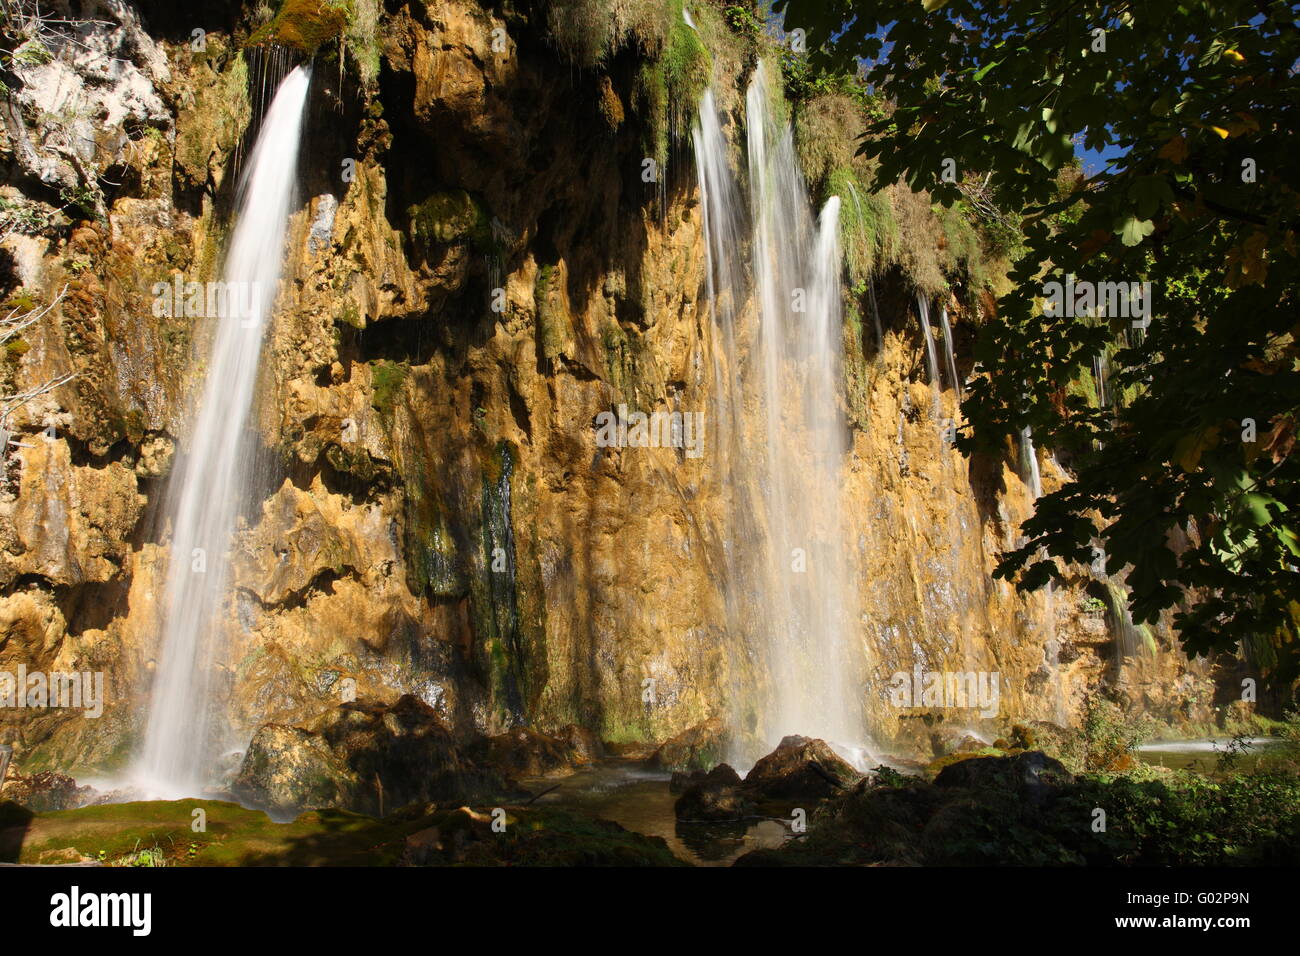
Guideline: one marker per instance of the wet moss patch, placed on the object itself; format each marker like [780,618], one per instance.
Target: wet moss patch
[305,25]
[159,833]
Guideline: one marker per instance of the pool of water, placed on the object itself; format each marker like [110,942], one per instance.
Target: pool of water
[639,800]
[1203,755]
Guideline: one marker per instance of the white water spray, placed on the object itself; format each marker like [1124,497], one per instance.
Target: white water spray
[207,489]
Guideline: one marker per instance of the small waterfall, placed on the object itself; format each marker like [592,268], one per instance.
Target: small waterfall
[208,487]
[1101,374]
[1032,476]
[781,385]
[1131,640]
[1029,471]
[875,313]
[931,356]
[948,353]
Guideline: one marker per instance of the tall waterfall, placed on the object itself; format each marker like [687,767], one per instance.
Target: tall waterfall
[208,487]
[777,309]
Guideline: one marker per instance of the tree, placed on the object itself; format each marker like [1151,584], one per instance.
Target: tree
[1188,482]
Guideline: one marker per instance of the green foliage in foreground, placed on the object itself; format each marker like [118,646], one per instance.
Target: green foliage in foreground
[1170,819]
[1189,485]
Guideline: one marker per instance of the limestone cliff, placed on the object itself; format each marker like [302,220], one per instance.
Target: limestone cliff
[476,270]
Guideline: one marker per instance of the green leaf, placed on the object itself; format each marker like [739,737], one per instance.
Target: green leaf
[1134,230]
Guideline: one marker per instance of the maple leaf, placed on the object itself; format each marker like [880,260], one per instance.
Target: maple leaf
[1280,439]
[1175,150]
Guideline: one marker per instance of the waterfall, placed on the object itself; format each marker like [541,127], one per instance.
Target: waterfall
[1099,373]
[208,487]
[777,314]
[931,357]
[875,314]
[1029,471]
[948,353]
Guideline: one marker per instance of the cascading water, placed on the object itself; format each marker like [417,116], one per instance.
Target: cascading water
[781,387]
[208,487]
[948,352]
[1029,470]
[875,313]
[1101,374]
[931,356]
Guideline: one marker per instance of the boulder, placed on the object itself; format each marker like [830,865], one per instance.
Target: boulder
[800,768]
[524,752]
[683,780]
[695,748]
[45,791]
[717,795]
[586,746]
[288,769]
[1031,773]
[361,756]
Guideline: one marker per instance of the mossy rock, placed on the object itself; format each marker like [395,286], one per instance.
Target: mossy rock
[448,217]
[386,380]
[687,70]
[554,327]
[435,564]
[305,25]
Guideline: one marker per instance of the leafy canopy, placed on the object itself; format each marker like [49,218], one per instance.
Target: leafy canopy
[1186,477]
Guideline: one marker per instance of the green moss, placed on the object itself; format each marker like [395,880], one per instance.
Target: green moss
[349,314]
[386,379]
[868,230]
[433,560]
[1083,388]
[1153,818]
[130,424]
[355,461]
[217,118]
[857,386]
[554,328]
[447,217]
[687,68]
[493,592]
[361,37]
[961,243]
[305,25]
[650,100]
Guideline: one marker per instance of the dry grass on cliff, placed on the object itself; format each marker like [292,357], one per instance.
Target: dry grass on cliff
[586,32]
[894,226]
